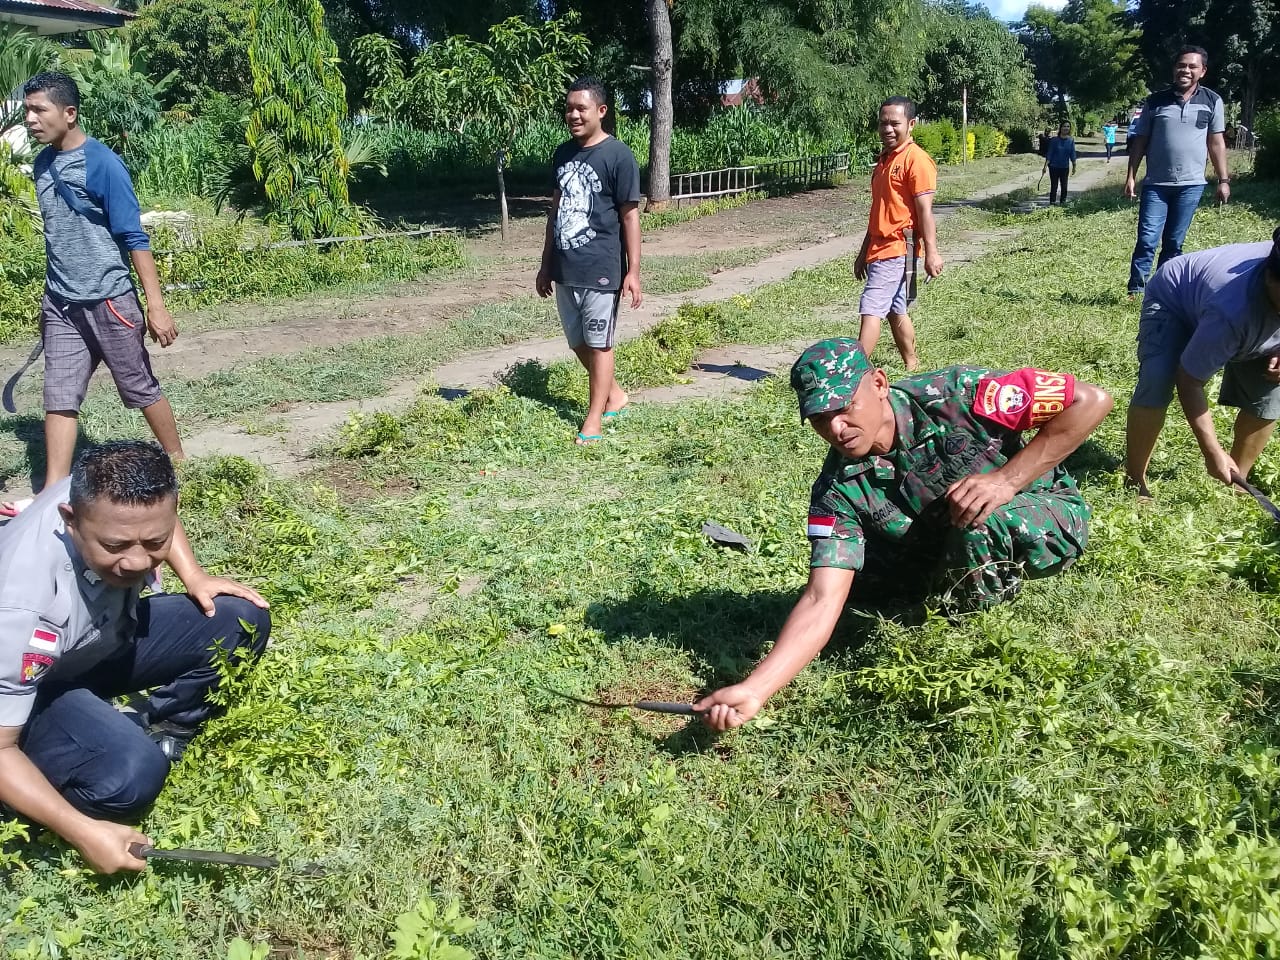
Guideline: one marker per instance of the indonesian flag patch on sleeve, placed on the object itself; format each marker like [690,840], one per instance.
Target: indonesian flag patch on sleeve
[1024,399]
[43,640]
[820,526]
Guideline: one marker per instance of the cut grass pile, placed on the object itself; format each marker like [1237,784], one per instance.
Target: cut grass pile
[1088,772]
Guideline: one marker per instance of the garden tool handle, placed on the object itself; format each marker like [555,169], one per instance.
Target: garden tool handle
[666,706]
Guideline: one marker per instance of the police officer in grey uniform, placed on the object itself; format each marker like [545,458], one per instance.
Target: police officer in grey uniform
[75,633]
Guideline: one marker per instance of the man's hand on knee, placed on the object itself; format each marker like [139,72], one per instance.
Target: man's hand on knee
[972,499]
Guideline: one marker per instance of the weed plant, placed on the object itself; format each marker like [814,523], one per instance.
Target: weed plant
[1088,772]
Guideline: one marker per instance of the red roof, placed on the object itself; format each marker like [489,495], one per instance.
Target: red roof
[51,17]
[78,6]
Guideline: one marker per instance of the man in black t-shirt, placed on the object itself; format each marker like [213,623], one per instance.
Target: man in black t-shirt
[591,256]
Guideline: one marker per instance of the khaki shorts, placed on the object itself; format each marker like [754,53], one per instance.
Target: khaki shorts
[79,336]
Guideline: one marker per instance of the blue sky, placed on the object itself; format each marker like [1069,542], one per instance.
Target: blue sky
[1014,9]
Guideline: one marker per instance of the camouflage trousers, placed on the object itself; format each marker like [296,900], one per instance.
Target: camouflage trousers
[1034,535]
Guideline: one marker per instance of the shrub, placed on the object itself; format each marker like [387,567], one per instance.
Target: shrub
[940,139]
[21,283]
[1267,128]
[987,142]
[1021,141]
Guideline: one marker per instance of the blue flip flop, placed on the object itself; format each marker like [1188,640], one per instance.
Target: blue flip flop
[588,439]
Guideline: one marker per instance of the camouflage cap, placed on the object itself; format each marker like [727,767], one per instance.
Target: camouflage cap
[827,375]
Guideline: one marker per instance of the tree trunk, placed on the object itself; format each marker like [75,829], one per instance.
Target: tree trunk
[501,157]
[660,115]
[1249,101]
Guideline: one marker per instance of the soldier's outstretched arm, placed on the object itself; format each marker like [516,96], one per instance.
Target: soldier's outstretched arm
[973,498]
[803,636]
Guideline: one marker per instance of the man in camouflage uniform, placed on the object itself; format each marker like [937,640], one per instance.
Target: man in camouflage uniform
[928,485]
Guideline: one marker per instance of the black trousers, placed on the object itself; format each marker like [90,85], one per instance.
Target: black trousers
[1058,177]
[103,763]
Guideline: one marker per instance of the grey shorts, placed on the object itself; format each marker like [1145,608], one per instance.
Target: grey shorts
[1244,385]
[589,317]
[886,291]
[79,336]
[1162,338]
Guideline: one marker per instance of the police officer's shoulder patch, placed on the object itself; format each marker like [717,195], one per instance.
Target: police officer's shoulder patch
[1023,399]
[34,666]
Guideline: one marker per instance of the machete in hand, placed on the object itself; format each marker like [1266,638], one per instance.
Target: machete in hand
[12,382]
[145,851]
[652,706]
[1263,500]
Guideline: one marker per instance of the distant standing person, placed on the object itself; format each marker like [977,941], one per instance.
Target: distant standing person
[900,228]
[1109,137]
[1060,161]
[591,255]
[1177,128]
[90,313]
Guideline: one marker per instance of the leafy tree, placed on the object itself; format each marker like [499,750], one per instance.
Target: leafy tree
[1242,37]
[118,99]
[1246,37]
[970,50]
[1086,57]
[204,43]
[491,88]
[293,134]
[416,23]
[825,63]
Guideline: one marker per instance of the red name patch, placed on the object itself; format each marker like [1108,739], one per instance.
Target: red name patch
[35,666]
[1025,398]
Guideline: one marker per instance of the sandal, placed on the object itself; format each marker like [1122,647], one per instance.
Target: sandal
[588,439]
[16,507]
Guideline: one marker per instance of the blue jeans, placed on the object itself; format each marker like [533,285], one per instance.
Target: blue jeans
[103,763]
[1164,215]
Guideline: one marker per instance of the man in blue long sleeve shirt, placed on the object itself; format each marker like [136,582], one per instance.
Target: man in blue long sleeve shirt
[1060,161]
[90,313]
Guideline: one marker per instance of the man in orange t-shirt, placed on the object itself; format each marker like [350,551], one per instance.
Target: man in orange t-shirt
[902,189]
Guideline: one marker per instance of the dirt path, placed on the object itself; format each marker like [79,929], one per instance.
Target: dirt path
[813,223]
[503,272]
[721,371]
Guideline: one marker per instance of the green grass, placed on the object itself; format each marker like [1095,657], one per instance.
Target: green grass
[680,274]
[955,182]
[1007,785]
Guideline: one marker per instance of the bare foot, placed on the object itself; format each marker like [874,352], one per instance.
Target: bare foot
[1139,486]
[617,400]
[11,508]
[912,364]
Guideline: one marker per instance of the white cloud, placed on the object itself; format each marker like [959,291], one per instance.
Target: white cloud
[1016,9]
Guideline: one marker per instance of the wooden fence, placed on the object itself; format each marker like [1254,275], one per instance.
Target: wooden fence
[782,176]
